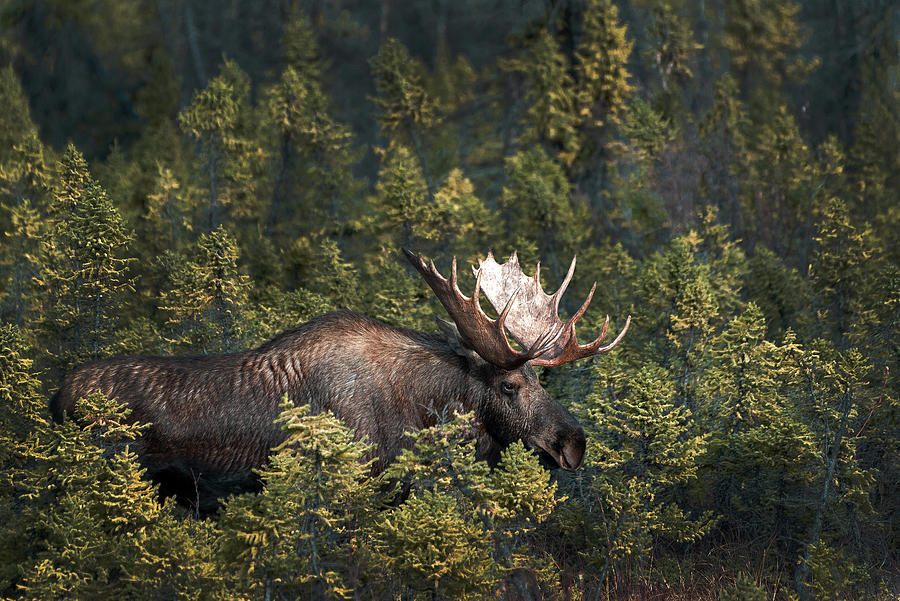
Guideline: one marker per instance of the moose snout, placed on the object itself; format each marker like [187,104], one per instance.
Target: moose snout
[563,448]
[572,448]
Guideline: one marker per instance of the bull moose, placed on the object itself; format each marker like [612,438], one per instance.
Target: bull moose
[212,417]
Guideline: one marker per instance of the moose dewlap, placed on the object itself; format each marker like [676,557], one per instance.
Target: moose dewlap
[212,417]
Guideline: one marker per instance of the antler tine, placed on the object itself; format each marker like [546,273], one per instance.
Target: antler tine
[506,309]
[618,339]
[557,296]
[545,342]
[602,335]
[577,315]
[477,290]
[454,278]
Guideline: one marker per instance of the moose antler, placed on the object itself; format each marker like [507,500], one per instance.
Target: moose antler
[527,311]
[535,312]
[486,336]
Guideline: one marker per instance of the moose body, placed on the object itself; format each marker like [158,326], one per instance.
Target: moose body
[212,418]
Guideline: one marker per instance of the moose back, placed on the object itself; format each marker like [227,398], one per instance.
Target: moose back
[212,418]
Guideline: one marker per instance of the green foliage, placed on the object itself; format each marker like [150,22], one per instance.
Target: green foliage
[426,540]
[401,96]
[311,155]
[83,279]
[673,53]
[762,38]
[219,121]
[745,589]
[205,295]
[604,85]
[542,211]
[305,535]
[727,172]
[552,116]
[642,447]
[93,526]
[463,523]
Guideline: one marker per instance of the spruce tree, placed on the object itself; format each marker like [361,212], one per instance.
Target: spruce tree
[26,172]
[83,278]
[311,154]
[407,110]
[205,296]
[304,535]
[219,120]
[552,117]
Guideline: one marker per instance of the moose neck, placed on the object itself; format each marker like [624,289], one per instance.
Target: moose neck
[442,384]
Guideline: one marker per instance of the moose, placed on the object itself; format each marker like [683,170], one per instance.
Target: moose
[212,418]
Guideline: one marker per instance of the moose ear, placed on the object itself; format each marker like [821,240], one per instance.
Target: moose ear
[456,340]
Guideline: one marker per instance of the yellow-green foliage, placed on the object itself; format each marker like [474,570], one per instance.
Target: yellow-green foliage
[179,182]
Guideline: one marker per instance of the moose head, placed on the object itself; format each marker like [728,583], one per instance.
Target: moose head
[512,404]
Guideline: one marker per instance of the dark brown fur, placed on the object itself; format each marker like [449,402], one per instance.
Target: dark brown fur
[212,417]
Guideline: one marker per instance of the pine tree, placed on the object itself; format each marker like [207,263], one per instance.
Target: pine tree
[26,171]
[552,117]
[672,54]
[723,132]
[312,155]
[642,448]
[778,197]
[496,517]
[401,210]
[603,77]
[22,411]
[540,209]
[92,525]
[206,295]
[763,38]
[83,278]
[219,120]
[304,535]
[426,543]
[843,267]
[603,84]
[407,110]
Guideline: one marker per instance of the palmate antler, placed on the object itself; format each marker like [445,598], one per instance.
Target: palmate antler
[524,309]
[486,336]
[535,311]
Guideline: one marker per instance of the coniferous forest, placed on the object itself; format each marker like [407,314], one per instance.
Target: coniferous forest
[188,178]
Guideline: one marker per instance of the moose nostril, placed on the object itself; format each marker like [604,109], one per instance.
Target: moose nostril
[573,451]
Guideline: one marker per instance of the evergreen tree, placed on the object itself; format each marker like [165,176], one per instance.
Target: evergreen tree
[83,278]
[763,38]
[540,209]
[219,121]
[723,132]
[26,171]
[205,296]
[552,117]
[843,268]
[407,110]
[603,77]
[92,525]
[464,527]
[672,54]
[312,155]
[643,447]
[304,536]
[21,413]
[603,82]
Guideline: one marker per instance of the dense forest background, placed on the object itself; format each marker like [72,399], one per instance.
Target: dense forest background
[185,177]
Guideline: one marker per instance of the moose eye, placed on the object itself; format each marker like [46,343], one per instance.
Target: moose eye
[507,388]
